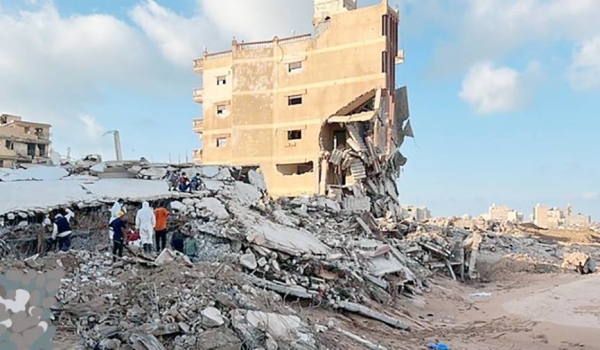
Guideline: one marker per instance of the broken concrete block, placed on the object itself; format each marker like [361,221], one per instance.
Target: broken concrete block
[188,202]
[249,261]
[211,317]
[214,207]
[177,205]
[257,179]
[218,339]
[262,262]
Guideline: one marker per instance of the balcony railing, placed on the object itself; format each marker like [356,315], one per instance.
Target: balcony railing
[198,126]
[217,55]
[199,65]
[400,56]
[199,95]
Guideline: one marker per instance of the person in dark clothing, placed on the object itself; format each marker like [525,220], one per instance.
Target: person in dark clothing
[184,183]
[197,183]
[62,230]
[118,227]
[177,241]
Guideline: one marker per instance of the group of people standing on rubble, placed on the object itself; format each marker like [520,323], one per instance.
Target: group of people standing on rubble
[178,181]
[149,231]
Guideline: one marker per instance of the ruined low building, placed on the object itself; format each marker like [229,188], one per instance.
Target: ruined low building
[415,213]
[22,141]
[319,113]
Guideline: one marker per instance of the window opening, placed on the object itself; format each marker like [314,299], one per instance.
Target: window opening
[295,67]
[294,100]
[294,134]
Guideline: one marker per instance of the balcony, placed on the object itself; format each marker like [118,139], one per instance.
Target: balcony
[400,57]
[199,65]
[199,95]
[198,126]
[197,156]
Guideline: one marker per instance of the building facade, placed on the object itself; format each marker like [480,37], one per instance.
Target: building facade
[314,112]
[503,214]
[22,141]
[552,217]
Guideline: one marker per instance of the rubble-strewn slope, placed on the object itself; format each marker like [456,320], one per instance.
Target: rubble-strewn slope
[264,269]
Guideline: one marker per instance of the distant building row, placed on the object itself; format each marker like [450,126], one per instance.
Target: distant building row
[556,217]
[22,141]
[546,217]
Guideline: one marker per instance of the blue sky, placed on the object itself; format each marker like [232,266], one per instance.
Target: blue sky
[504,94]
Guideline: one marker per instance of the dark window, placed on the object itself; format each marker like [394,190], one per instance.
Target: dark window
[9,145]
[294,134]
[384,61]
[294,100]
[221,141]
[221,109]
[42,149]
[295,169]
[339,138]
[222,80]
[31,149]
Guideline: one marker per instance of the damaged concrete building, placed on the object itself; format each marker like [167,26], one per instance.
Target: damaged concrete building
[22,141]
[318,113]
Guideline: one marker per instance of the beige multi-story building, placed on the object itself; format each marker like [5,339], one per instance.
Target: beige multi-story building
[313,111]
[547,217]
[503,213]
[22,141]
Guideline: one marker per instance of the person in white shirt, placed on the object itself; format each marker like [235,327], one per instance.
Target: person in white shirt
[145,221]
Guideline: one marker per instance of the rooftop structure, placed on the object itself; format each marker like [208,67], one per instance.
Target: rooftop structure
[22,141]
[317,112]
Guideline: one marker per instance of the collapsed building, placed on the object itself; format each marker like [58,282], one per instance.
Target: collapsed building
[318,113]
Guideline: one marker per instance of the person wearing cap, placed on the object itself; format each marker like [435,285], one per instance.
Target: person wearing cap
[118,229]
[62,230]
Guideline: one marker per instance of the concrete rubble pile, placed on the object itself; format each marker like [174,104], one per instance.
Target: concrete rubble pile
[369,155]
[258,260]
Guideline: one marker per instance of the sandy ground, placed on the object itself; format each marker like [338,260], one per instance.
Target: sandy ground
[529,312]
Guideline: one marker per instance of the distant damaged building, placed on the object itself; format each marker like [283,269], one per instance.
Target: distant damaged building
[318,113]
[23,141]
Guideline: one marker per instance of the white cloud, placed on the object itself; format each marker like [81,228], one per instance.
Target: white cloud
[259,19]
[52,66]
[181,39]
[584,71]
[493,29]
[491,89]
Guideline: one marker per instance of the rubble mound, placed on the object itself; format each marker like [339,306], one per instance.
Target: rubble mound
[259,266]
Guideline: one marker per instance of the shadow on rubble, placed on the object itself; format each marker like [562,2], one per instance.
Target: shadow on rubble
[499,268]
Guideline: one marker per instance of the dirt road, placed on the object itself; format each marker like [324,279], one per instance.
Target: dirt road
[529,312]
